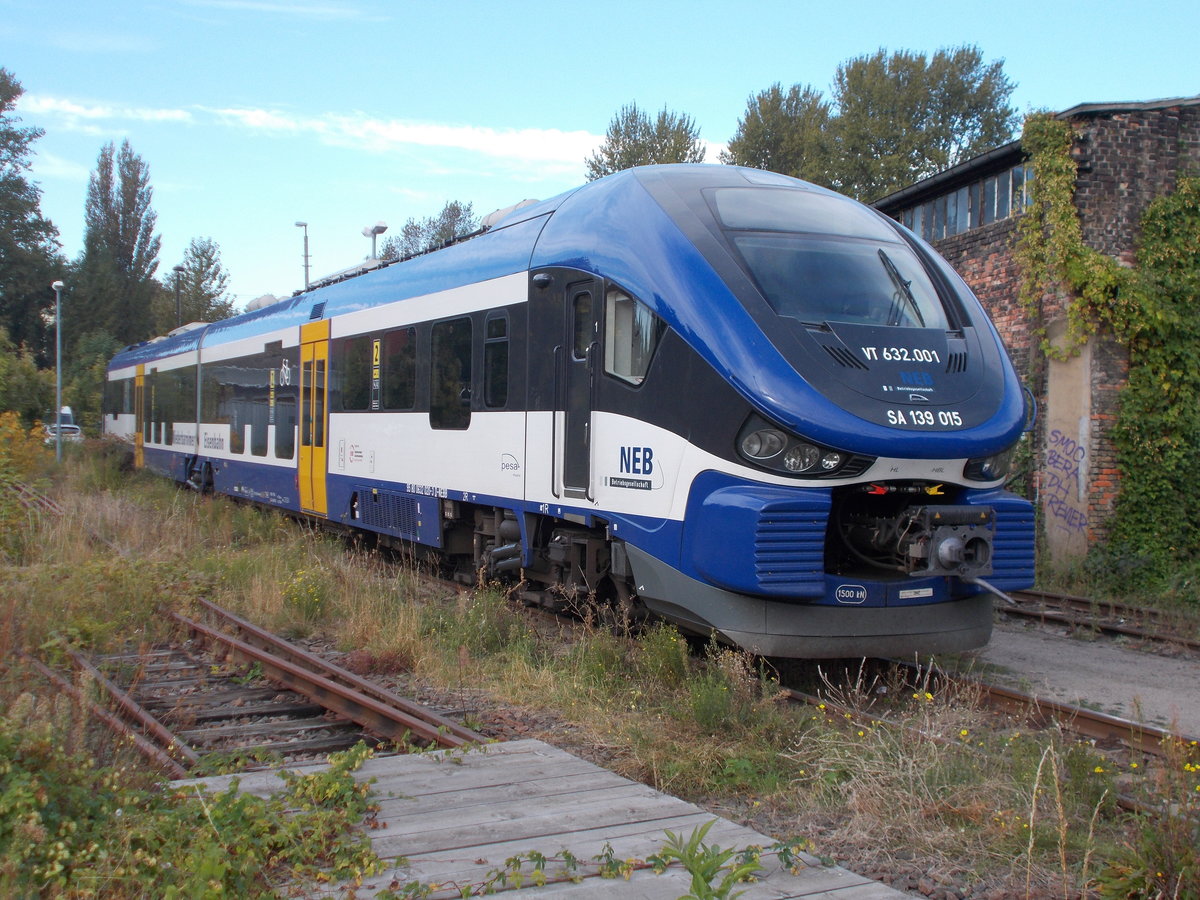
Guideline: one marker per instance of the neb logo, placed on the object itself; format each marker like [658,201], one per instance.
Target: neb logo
[637,460]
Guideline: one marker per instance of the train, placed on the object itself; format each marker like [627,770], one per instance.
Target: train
[720,396]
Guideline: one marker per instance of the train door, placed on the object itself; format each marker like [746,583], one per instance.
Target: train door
[314,415]
[576,380]
[139,417]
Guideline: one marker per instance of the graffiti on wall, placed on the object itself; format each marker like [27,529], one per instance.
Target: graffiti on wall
[1062,483]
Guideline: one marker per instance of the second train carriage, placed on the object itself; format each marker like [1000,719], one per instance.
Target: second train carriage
[754,406]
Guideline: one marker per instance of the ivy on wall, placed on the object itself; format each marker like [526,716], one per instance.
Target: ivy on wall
[1050,249]
[1154,310]
[1157,432]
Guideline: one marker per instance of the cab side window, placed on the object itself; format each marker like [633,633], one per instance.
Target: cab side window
[631,335]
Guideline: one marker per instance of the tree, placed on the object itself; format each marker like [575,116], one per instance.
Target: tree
[114,281]
[85,374]
[456,220]
[24,388]
[202,289]
[633,140]
[893,119]
[29,258]
[784,133]
[901,117]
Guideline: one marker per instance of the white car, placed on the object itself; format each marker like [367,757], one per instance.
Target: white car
[70,431]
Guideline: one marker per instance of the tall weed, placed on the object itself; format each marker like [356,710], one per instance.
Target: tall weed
[1161,858]
[71,827]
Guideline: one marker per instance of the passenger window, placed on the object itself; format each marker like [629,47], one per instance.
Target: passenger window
[356,373]
[450,381]
[631,334]
[285,426]
[259,413]
[400,369]
[495,363]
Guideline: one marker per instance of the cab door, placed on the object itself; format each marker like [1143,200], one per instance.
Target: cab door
[314,415]
[577,362]
[139,417]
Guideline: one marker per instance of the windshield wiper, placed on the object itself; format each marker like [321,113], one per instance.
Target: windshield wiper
[902,290]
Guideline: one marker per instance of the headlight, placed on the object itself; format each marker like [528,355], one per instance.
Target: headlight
[831,460]
[763,443]
[771,448]
[801,458]
[989,468]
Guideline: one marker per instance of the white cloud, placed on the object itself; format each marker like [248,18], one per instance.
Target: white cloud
[261,119]
[47,165]
[75,114]
[551,149]
[528,145]
[525,144]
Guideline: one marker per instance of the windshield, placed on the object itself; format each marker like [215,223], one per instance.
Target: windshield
[821,279]
[823,258]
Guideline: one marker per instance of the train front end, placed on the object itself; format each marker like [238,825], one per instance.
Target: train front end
[855,411]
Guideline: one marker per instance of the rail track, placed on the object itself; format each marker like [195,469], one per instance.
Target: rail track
[1102,616]
[328,703]
[1103,729]
[279,703]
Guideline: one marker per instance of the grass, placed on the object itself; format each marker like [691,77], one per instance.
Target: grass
[984,802]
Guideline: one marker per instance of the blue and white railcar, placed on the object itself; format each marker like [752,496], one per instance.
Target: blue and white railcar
[749,404]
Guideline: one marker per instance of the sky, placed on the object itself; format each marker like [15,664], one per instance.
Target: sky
[255,114]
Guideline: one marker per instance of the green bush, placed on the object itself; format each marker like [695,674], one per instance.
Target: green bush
[71,828]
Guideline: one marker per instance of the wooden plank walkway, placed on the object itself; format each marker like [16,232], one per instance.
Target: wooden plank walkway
[453,819]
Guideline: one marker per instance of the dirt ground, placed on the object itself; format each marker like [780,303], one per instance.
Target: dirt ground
[1152,688]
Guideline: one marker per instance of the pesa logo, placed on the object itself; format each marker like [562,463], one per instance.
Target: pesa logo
[508,463]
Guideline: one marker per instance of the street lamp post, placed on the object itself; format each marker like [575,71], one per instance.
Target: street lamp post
[58,286]
[304,225]
[373,232]
[178,270]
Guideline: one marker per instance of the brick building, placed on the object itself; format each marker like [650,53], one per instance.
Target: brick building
[1127,154]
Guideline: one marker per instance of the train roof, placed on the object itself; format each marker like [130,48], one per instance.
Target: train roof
[648,229]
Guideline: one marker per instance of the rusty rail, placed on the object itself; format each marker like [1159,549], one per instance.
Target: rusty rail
[265,640]
[148,749]
[354,704]
[1086,722]
[134,710]
[29,498]
[1089,609]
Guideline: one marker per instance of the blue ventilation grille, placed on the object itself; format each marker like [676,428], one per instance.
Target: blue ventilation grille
[789,547]
[757,539]
[397,514]
[1014,541]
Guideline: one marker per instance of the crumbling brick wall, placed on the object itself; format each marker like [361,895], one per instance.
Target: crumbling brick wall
[1125,160]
